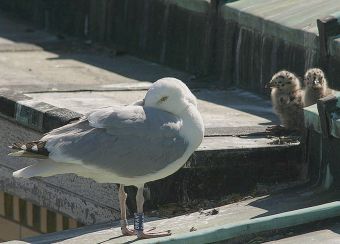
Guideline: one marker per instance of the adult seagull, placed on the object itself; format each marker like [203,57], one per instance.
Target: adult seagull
[129,145]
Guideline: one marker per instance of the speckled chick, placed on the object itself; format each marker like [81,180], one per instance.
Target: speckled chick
[287,99]
[315,86]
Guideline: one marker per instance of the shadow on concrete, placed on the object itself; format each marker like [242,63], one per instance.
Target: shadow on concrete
[136,69]
[15,32]
[294,199]
[240,100]
[124,65]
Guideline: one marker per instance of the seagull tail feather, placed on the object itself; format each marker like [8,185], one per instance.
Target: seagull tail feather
[34,149]
[26,154]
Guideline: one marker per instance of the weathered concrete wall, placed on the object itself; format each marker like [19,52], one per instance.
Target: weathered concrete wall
[165,32]
[68,194]
[216,178]
[256,39]
[248,58]
[169,32]
[238,42]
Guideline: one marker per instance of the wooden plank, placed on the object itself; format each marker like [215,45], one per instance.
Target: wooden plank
[72,223]
[16,209]
[2,203]
[29,207]
[59,222]
[43,220]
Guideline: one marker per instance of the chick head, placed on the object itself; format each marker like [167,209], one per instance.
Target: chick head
[315,78]
[284,81]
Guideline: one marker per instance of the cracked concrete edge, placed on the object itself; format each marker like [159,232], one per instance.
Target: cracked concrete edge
[39,116]
[47,195]
[44,117]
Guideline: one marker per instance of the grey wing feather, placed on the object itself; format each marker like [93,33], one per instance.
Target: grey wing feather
[129,141]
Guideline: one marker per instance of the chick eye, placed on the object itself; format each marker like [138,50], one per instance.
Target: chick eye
[163,99]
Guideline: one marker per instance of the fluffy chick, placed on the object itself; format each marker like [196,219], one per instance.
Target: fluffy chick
[287,99]
[315,86]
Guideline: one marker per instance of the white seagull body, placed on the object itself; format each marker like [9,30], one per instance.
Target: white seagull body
[130,145]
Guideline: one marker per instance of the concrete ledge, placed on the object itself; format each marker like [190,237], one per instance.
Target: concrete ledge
[312,118]
[57,198]
[257,16]
[322,129]
[223,155]
[39,116]
[236,220]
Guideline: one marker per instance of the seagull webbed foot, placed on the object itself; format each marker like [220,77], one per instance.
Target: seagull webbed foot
[127,232]
[149,235]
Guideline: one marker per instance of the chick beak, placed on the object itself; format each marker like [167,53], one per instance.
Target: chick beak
[269,85]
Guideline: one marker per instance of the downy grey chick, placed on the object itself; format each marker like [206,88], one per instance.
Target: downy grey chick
[315,86]
[287,99]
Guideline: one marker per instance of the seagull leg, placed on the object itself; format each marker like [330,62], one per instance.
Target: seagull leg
[139,219]
[123,221]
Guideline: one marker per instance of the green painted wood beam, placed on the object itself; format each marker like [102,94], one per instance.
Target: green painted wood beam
[272,222]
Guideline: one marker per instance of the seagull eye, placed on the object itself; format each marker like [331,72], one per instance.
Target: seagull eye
[163,99]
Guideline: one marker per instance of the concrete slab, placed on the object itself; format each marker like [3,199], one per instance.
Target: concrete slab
[293,21]
[230,108]
[47,71]
[232,213]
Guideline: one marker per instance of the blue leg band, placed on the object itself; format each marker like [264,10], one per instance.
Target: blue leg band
[139,221]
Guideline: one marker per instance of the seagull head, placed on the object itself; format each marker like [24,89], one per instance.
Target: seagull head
[315,78]
[284,81]
[171,95]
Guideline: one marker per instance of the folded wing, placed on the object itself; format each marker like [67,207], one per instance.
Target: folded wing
[129,141]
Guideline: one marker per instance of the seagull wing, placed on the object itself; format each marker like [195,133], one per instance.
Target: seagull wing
[128,141]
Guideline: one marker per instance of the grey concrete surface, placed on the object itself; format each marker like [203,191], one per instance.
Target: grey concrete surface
[230,108]
[67,66]
[47,71]
[292,21]
[232,213]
